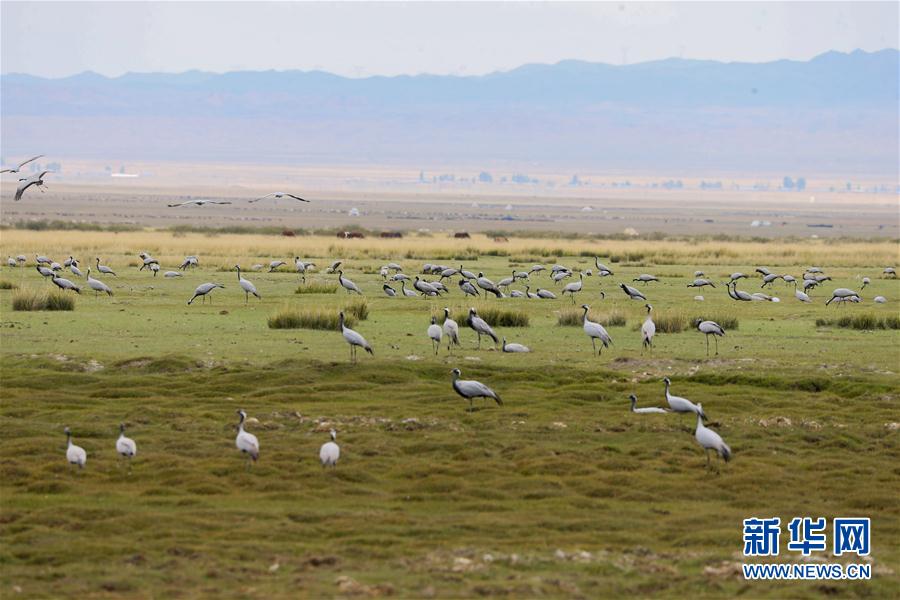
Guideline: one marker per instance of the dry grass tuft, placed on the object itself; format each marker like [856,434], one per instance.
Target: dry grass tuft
[29,300]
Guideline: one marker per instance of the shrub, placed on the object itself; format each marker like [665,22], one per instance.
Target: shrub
[865,322]
[496,317]
[671,322]
[358,308]
[728,322]
[316,287]
[290,318]
[8,285]
[573,317]
[28,300]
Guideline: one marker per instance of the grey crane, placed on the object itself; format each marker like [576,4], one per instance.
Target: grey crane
[302,267]
[18,167]
[645,278]
[42,260]
[770,278]
[104,269]
[514,347]
[574,287]
[330,452]
[354,339]
[245,441]
[448,272]
[347,284]
[595,331]
[275,264]
[632,292]
[451,331]
[245,284]
[681,405]
[36,180]
[488,285]
[602,270]
[467,288]
[389,291]
[467,274]
[125,446]
[516,294]
[197,202]
[545,294]
[191,261]
[738,294]
[74,454]
[480,326]
[435,333]
[736,276]
[44,271]
[865,281]
[97,285]
[64,284]
[710,440]
[647,410]
[425,288]
[700,282]
[841,294]
[471,389]
[334,267]
[529,294]
[406,292]
[171,274]
[507,281]
[537,268]
[11,262]
[710,328]
[278,195]
[203,290]
[648,330]
[763,271]
[889,272]
[802,297]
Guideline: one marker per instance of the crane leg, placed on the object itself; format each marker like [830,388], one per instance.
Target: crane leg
[717,345]
[594,344]
[707,345]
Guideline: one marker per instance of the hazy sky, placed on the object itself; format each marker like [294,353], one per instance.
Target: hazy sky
[356,39]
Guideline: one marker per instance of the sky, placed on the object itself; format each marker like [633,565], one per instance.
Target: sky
[56,39]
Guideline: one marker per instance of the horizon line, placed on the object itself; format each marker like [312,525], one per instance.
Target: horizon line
[453,75]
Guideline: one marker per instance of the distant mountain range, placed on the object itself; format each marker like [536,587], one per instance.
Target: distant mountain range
[835,113]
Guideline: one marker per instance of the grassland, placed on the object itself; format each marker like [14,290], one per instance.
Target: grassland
[560,492]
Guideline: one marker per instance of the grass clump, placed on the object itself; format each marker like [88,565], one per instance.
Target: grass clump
[29,300]
[865,322]
[317,318]
[728,322]
[316,287]
[671,322]
[359,309]
[573,317]
[496,317]
[8,285]
[291,318]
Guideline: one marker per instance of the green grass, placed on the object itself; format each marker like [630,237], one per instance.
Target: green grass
[496,317]
[561,492]
[575,317]
[867,322]
[292,318]
[34,300]
[7,285]
[316,287]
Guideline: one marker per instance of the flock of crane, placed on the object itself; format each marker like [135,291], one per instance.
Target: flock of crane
[246,443]
[470,284]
